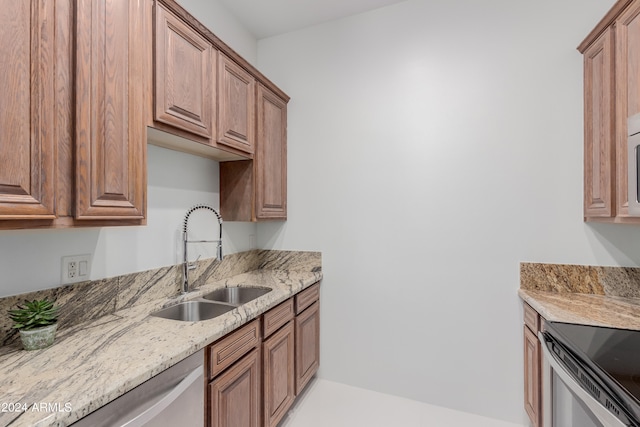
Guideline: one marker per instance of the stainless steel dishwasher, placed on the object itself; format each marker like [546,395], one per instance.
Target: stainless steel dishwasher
[172,398]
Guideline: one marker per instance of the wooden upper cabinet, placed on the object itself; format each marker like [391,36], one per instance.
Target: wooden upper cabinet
[236,106]
[611,95]
[627,69]
[112,93]
[254,190]
[184,76]
[271,156]
[599,120]
[27,106]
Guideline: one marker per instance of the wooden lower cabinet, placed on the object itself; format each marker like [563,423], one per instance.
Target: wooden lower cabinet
[255,373]
[532,367]
[278,372]
[234,369]
[235,394]
[307,345]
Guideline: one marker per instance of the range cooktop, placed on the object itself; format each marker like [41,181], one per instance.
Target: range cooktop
[613,354]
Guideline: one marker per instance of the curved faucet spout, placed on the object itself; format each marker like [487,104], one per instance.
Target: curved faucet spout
[185,239]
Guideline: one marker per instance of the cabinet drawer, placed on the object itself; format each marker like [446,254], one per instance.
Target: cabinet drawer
[275,318]
[531,318]
[232,347]
[307,297]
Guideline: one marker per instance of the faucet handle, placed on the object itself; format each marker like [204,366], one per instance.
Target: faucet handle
[192,265]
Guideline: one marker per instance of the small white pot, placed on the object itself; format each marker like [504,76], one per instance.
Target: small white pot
[35,339]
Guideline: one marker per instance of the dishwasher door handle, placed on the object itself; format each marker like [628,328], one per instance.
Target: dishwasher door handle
[146,416]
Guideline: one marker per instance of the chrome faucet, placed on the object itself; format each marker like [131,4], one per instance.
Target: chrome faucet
[185,239]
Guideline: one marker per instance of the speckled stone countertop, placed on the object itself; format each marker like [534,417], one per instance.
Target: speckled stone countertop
[99,360]
[589,295]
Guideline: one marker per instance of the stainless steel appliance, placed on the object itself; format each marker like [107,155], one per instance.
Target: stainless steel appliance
[591,376]
[633,164]
[174,397]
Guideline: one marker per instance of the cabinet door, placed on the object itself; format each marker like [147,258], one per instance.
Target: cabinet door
[271,156]
[278,374]
[627,65]
[532,377]
[307,345]
[235,395]
[27,131]
[599,128]
[184,76]
[236,106]
[112,92]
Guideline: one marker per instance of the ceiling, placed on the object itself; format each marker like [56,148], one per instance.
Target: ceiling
[266,18]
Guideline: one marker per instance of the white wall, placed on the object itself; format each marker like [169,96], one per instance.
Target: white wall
[31,259]
[215,16]
[433,146]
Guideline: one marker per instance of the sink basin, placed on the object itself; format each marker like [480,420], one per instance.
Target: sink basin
[193,311]
[237,295]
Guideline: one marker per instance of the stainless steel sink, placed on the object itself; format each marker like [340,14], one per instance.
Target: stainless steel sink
[193,311]
[236,295]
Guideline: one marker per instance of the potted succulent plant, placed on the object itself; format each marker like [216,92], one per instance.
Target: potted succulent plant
[37,322]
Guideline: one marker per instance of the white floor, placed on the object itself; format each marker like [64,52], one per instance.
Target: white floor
[329,404]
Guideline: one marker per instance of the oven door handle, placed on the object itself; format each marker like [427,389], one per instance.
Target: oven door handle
[599,411]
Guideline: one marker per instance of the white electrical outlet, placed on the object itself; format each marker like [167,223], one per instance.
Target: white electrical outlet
[75,268]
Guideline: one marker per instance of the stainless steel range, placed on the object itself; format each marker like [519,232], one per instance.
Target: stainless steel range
[601,369]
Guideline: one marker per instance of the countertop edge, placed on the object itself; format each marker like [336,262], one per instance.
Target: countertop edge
[586,309]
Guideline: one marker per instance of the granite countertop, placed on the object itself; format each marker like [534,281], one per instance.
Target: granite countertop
[588,295]
[97,361]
